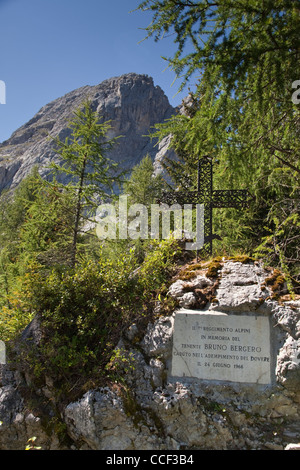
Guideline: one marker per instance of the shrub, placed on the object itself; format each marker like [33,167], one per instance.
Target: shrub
[83,311]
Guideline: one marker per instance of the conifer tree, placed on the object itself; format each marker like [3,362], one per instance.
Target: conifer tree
[92,174]
[244,56]
[143,186]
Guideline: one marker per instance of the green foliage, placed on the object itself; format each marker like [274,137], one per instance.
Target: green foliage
[35,234]
[241,113]
[84,157]
[15,310]
[91,174]
[84,310]
[79,309]
[158,264]
[143,187]
[46,233]
[121,362]
[233,36]
[13,210]
[13,260]
[85,305]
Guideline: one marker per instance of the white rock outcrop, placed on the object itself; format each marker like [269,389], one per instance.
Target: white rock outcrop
[151,410]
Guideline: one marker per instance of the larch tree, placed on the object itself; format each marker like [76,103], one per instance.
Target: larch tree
[84,161]
[244,56]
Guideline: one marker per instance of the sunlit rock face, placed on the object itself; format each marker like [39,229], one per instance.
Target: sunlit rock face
[131,102]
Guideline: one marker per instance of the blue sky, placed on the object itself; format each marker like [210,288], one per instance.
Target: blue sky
[51,47]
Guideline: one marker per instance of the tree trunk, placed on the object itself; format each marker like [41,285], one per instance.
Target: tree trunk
[77,214]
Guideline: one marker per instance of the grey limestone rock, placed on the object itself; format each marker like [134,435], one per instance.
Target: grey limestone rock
[158,338]
[240,287]
[131,102]
[104,421]
[154,411]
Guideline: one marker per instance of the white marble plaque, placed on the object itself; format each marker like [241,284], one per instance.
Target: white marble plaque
[216,346]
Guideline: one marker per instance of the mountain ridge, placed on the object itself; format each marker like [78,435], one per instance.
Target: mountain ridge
[131,102]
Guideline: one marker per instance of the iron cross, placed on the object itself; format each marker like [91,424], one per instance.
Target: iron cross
[212,199]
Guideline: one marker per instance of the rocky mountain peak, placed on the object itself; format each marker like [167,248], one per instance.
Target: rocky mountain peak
[131,102]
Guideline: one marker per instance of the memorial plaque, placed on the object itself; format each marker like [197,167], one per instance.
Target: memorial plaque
[217,346]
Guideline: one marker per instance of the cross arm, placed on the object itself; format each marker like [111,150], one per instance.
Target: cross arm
[236,198]
[183,197]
